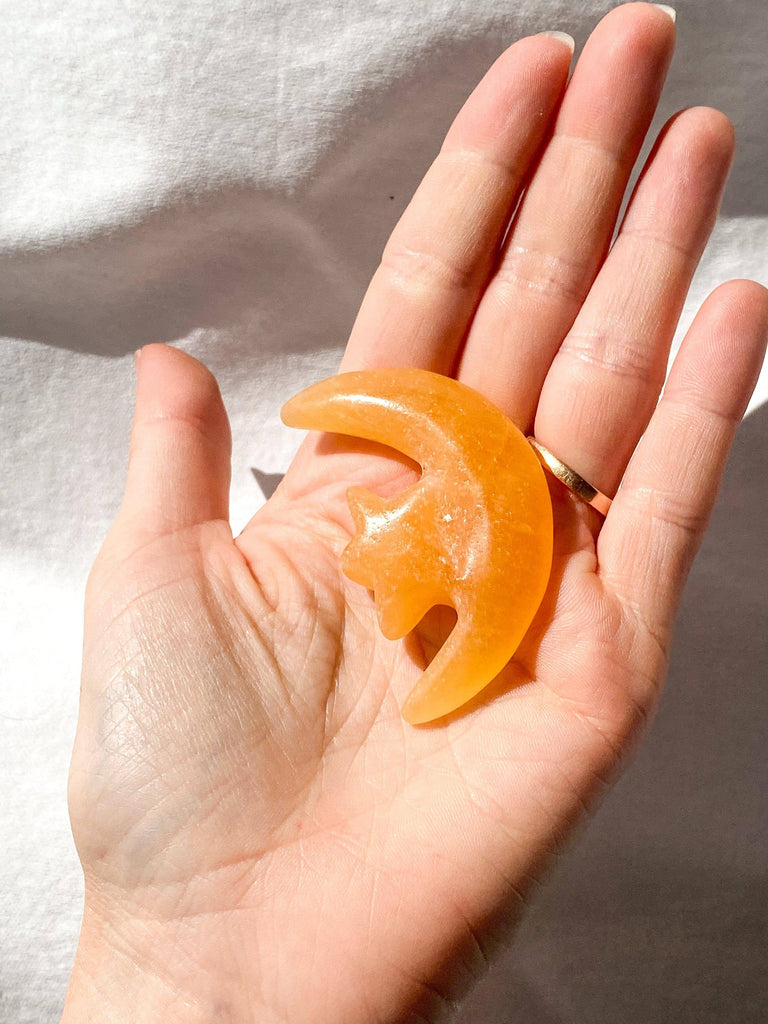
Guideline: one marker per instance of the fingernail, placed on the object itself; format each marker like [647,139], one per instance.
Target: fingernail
[136,355]
[667,10]
[563,37]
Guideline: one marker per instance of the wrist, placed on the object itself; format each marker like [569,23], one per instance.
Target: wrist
[129,971]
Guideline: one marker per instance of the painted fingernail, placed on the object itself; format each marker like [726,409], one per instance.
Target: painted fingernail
[667,10]
[563,37]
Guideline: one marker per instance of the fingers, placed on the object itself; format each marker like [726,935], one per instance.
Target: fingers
[179,466]
[604,382]
[435,265]
[564,225]
[654,527]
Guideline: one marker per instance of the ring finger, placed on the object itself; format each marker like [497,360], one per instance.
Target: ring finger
[603,384]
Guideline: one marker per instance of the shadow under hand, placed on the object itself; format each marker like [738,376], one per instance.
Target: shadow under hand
[654,915]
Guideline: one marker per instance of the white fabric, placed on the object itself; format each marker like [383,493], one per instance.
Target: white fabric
[222,175]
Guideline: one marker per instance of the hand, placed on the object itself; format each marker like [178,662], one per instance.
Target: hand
[263,838]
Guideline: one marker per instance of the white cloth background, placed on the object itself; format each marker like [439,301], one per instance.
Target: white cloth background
[222,175]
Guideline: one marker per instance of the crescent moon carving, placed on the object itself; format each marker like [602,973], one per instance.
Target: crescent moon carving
[474,532]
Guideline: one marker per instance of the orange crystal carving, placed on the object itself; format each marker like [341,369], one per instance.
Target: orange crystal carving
[474,532]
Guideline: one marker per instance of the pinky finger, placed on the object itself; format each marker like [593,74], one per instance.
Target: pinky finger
[661,511]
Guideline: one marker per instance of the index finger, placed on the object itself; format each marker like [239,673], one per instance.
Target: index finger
[434,267]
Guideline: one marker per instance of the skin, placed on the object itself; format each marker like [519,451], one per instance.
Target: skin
[263,838]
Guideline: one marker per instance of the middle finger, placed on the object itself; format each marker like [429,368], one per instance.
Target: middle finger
[562,230]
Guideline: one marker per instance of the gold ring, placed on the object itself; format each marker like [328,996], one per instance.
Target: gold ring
[571,478]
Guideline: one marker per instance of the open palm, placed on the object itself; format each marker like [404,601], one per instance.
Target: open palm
[263,837]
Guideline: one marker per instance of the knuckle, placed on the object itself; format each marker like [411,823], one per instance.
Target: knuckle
[670,508]
[409,268]
[613,353]
[528,269]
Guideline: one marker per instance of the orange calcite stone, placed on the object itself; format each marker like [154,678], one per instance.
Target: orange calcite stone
[474,532]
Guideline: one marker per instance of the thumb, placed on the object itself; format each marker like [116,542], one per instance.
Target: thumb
[179,464]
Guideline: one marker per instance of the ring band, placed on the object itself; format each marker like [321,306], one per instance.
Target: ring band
[571,479]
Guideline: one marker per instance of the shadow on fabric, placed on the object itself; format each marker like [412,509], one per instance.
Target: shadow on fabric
[287,268]
[658,914]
